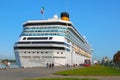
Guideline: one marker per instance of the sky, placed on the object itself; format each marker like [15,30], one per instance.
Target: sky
[98,20]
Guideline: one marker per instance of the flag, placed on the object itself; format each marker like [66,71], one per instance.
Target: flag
[42,9]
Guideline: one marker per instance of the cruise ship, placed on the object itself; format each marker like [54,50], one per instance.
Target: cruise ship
[53,41]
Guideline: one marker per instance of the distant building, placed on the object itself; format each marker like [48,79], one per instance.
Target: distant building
[116,57]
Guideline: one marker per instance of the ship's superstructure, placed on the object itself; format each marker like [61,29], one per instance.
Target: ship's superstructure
[53,41]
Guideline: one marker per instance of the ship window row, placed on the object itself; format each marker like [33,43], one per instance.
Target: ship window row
[74,34]
[76,42]
[30,47]
[30,57]
[58,57]
[37,38]
[43,33]
[50,28]
[42,56]
[44,42]
[49,23]
[80,54]
[42,48]
[44,30]
[71,29]
[74,39]
[40,52]
[26,56]
[59,52]
[46,34]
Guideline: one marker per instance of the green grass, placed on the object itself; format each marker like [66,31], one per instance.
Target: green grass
[91,71]
[88,71]
[61,79]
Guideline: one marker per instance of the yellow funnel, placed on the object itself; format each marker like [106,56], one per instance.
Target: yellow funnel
[65,16]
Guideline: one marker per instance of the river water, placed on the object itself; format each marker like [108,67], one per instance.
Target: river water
[13,65]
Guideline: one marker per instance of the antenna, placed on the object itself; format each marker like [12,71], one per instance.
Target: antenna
[66,5]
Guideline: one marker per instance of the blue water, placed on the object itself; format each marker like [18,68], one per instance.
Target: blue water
[13,65]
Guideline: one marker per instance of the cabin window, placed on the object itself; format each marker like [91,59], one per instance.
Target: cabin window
[24,38]
[50,38]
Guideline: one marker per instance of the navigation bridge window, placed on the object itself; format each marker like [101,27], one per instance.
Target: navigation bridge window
[37,38]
